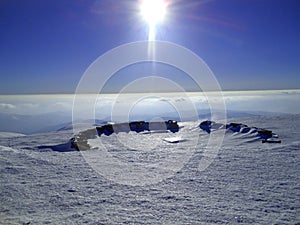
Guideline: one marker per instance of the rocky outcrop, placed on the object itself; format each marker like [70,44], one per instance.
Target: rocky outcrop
[79,141]
[263,134]
[137,126]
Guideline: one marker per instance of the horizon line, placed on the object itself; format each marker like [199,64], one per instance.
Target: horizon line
[160,92]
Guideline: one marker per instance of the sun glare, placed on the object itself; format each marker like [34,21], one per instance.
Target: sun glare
[153,12]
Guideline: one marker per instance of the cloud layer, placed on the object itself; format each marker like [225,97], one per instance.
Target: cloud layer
[33,113]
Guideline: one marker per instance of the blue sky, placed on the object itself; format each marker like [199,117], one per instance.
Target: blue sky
[249,44]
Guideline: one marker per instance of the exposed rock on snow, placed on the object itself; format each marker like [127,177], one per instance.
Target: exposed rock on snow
[79,141]
[137,126]
[267,136]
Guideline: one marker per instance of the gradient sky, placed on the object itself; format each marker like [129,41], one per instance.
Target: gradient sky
[45,46]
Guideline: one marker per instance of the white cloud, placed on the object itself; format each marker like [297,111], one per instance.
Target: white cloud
[28,105]
[66,105]
[7,106]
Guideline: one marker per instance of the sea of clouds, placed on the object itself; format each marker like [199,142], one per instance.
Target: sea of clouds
[38,113]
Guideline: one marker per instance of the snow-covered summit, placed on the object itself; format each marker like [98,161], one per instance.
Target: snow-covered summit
[80,140]
[247,183]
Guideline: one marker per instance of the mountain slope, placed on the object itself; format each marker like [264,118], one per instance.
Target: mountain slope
[248,182]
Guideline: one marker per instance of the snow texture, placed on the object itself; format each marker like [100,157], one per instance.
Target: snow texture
[44,181]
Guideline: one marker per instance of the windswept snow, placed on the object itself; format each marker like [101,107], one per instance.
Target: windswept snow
[43,181]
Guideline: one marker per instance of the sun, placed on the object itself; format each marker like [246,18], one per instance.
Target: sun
[153,12]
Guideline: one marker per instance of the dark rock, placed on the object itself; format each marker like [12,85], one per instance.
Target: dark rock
[139,126]
[235,127]
[206,126]
[264,134]
[172,126]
